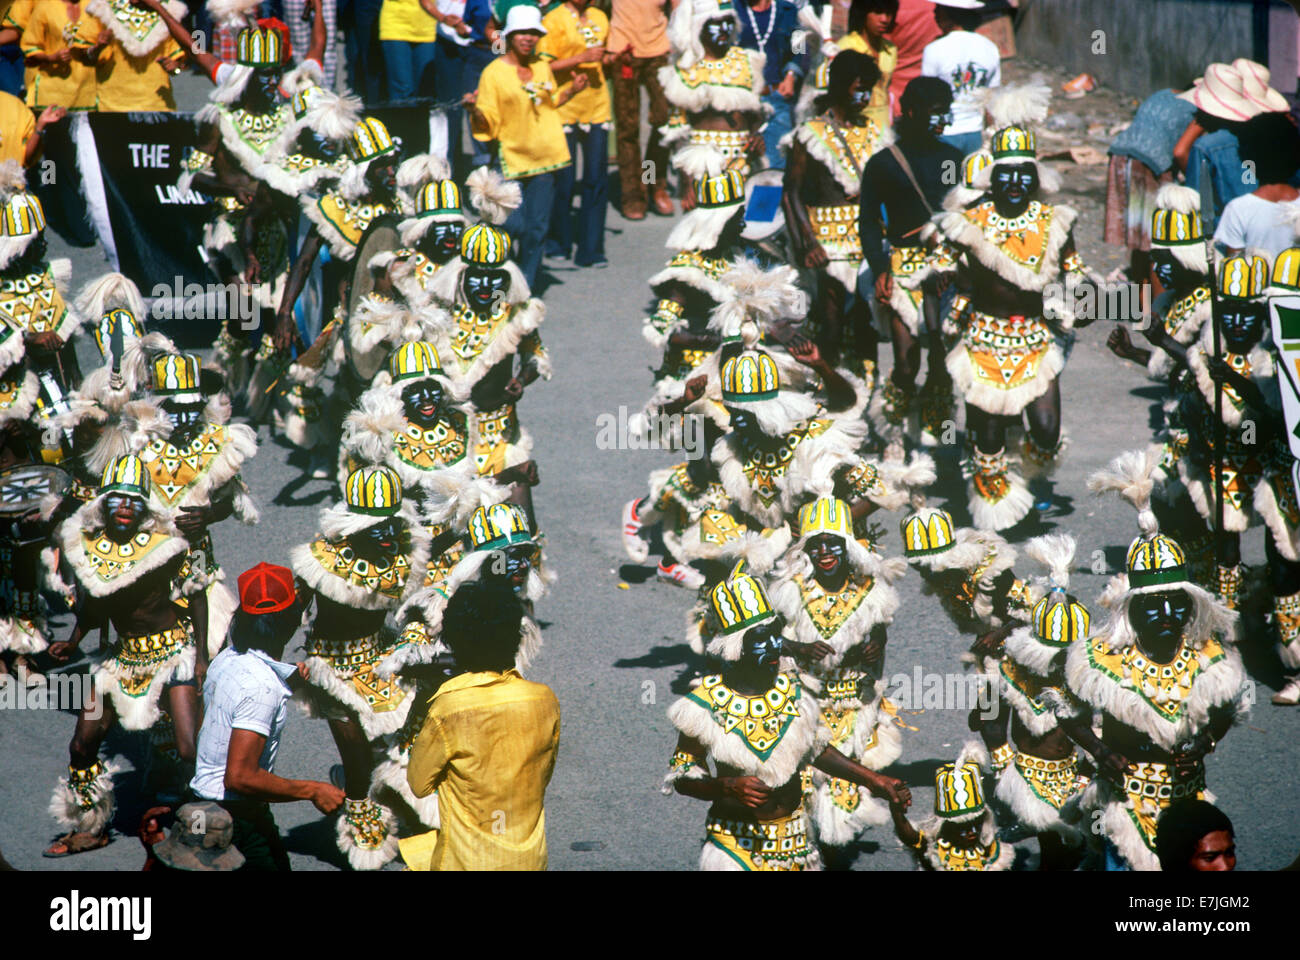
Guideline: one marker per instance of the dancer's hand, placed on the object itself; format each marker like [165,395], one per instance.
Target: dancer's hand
[884,287]
[750,791]
[62,651]
[252,269]
[895,791]
[815,257]
[1113,766]
[695,388]
[806,352]
[514,390]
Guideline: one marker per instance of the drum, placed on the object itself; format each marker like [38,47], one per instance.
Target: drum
[380,237]
[22,488]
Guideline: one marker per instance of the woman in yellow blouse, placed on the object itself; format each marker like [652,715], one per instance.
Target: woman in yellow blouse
[574,45]
[138,74]
[517,106]
[63,43]
[869,21]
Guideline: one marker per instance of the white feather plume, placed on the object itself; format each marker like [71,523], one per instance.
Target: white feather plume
[493,196]
[1132,476]
[1056,552]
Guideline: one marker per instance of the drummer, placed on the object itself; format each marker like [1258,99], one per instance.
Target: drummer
[822,184]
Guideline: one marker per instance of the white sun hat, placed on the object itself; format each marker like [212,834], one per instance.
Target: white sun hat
[1221,93]
[1254,85]
[960,4]
[524,17]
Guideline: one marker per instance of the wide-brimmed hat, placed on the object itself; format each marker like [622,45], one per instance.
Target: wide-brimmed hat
[200,840]
[1221,93]
[1254,84]
[524,17]
[960,4]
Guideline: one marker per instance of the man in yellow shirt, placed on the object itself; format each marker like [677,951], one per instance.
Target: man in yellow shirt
[574,45]
[138,74]
[488,744]
[517,106]
[869,21]
[64,44]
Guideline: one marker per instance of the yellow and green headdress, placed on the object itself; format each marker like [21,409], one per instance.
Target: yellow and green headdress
[750,377]
[485,246]
[371,139]
[720,198]
[1155,560]
[117,322]
[1012,143]
[972,165]
[1173,228]
[1242,278]
[373,491]
[826,515]
[1176,226]
[176,377]
[126,474]
[259,47]
[1286,272]
[739,602]
[439,200]
[498,526]
[22,220]
[926,532]
[726,191]
[416,360]
[959,791]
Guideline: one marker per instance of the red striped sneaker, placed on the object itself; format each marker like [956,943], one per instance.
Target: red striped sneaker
[636,546]
[682,575]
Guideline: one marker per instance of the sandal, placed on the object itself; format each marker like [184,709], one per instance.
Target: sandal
[71,843]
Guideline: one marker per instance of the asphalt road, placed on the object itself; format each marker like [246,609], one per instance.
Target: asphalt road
[614,648]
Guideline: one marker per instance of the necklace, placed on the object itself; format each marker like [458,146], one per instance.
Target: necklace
[753,23]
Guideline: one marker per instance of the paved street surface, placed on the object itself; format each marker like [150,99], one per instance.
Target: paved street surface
[614,649]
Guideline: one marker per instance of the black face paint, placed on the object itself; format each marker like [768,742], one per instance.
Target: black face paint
[1014,185]
[511,565]
[318,146]
[423,402]
[742,421]
[381,175]
[265,87]
[827,554]
[444,240]
[123,514]
[718,34]
[1159,618]
[485,288]
[1242,324]
[1165,268]
[939,122]
[186,420]
[379,541]
[761,647]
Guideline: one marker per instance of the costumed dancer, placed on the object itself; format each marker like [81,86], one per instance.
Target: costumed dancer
[1162,674]
[962,834]
[760,728]
[1038,778]
[126,562]
[837,598]
[1253,471]
[971,572]
[823,183]
[491,322]
[906,182]
[1012,346]
[714,91]
[194,471]
[1286,610]
[366,560]
[1179,260]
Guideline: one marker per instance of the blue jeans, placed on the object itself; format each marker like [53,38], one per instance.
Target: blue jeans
[595,197]
[779,124]
[409,68]
[528,223]
[11,69]
[967,143]
[360,22]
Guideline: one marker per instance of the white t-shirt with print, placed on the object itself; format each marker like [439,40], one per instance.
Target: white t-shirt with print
[1250,221]
[969,63]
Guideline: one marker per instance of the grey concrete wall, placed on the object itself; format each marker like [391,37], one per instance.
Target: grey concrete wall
[1152,44]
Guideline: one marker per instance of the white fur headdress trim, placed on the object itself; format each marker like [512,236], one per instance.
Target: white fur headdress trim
[492,195]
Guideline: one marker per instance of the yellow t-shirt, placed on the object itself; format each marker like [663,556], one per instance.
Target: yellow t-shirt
[19,12]
[17,126]
[878,108]
[526,126]
[136,83]
[567,36]
[406,20]
[488,746]
[48,30]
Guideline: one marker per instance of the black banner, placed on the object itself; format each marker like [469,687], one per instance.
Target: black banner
[157,230]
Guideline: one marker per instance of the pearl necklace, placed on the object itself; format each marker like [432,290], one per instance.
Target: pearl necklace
[753,23]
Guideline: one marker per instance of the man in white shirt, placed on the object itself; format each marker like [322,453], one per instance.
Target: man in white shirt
[967,62]
[1266,220]
[246,696]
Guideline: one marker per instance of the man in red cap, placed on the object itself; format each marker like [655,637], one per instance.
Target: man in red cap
[246,695]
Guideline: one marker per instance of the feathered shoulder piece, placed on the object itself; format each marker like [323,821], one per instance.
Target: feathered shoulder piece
[492,195]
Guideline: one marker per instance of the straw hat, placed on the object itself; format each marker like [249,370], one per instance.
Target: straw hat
[1221,93]
[1254,79]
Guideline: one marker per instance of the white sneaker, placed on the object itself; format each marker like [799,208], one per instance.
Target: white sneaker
[1289,695]
[682,575]
[636,546]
